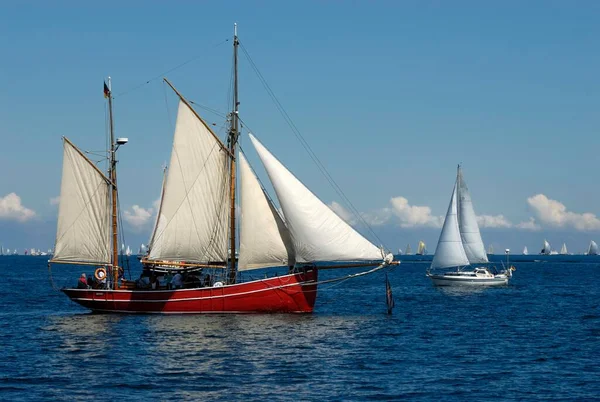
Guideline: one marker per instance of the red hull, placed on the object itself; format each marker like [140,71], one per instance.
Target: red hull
[295,293]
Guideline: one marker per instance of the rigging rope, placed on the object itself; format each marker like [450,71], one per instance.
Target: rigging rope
[166,72]
[306,146]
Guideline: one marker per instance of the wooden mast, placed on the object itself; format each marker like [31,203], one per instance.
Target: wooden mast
[113,179]
[233,137]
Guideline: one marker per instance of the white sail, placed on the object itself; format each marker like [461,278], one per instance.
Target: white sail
[449,251]
[193,222]
[593,248]
[467,221]
[408,250]
[421,249]
[83,232]
[563,249]
[264,239]
[318,234]
[546,249]
[525,251]
[128,252]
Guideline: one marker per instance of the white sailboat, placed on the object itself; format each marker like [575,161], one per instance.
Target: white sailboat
[563,249]
[490,250]
[593,248]
[525,251]
[421,250]
[408,250]
[546,249]
[460,245]
[128,252]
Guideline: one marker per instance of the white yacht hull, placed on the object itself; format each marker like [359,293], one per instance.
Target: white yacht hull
[478,277]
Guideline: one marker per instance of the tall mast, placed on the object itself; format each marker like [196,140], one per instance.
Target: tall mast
[113,178]
[233,137]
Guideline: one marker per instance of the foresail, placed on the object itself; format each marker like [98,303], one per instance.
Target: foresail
[449,251]
[83,232]
[264,239]
[318,234]
[192,225]
[467,222]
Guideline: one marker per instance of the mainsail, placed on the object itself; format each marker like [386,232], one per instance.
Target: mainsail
[467,221]
[525,251]
[317,233]
[593,248]
[264,239]
[450,251]
[192,225]
[83,234]
[421,249]
[408,250]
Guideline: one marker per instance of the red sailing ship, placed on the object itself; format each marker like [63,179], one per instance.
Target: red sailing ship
[195,230]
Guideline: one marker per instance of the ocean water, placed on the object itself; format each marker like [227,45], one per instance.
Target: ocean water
[536,339]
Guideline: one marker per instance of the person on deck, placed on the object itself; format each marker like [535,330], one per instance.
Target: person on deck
[82,282]
[177,281]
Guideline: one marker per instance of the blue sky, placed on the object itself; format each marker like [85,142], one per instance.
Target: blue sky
[390,96]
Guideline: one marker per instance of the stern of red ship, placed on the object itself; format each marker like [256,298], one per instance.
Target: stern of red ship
[293,293]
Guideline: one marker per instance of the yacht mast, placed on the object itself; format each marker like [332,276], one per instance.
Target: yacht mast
[232,140]
[113,179]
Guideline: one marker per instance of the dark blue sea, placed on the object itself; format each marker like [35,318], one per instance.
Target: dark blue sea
[536,339]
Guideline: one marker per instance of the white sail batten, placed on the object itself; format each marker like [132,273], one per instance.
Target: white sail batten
[449,251]
[264,239]
[83,232]
[192,225]
[467,221]
[318,234]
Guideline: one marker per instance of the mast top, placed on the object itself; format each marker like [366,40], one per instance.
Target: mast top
[235,29]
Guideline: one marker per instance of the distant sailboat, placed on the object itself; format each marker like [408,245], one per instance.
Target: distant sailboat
[460,245]
[546,249]
[525,251]
[593,248]
[408,250]
[563,249]
[421,250]
[128,252]
[399,252]
[490,250]
[142,249]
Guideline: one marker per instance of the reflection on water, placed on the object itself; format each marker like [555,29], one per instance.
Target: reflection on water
[462,291]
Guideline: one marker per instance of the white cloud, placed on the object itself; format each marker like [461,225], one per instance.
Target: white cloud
[55,200]
[529,225]
[414,215]
[554,213]
[493,221]
[138,216]
[342,212]
[378,217]
[11,208]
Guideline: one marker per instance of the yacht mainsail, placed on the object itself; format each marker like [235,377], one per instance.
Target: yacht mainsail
[317,233]
[408,250]
[525,251]
[192,225]
[264,239]
[83,232]
[450,251]
[593,248]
